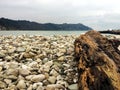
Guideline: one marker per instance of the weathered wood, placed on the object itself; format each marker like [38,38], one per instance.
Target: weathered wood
[111,32]
[98,62]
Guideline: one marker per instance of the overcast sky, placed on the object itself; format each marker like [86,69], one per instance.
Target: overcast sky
[98,14]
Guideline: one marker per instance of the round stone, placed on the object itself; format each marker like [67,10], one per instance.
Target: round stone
[2,85]
[20,49]
[24,72]
[2,55]
[61,58]
[35,78]
[73,87]
[21,84]
[52,79]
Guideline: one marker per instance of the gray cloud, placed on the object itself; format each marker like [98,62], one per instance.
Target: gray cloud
[99,14]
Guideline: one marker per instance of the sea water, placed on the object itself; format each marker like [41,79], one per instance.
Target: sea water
[42,33]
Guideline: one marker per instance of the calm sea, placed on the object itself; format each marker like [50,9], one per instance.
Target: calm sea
[42,33]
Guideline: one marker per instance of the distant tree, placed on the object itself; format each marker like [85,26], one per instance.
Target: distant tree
[27,25]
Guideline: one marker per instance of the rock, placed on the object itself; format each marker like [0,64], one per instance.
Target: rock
[66,65]
[0,68]
[33,64]
[12,87]
[7,81]
[36,78]
[28,49]
[49,63]
[45,60]
[13,65]
[46,66]
[37,86]
[30,87]
[12,72]
[50,87]
[20,77]
[61,58]
[40,88]
[61,82]
[54,43]
[2,85]
[24,72]
[59,77]
[62,50]
[69,51]
[44,69]
[11,77]
[28,55]
[25,66]
[54,72]
[54,87]
[20,49]
[73,87]
[29,77]
[52,79]
[57,64]
[75,80]
[34,86]
[8,58]
[21,56]
[2,54]
[39,60]
[98,62]
[45,82]
[11,50]
[1,64]
[46,75]
[59,54]
[1,60]
[21,84]
[118,47]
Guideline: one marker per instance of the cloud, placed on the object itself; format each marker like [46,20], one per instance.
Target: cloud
[90,12]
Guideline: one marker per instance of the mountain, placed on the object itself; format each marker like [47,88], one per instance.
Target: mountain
[8,24]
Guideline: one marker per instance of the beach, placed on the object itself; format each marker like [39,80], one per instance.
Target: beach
[37,62]
[33,62]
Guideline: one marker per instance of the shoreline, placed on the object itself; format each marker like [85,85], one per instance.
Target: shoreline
[38,62]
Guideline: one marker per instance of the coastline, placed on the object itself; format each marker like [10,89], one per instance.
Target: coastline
[117,32]
[39,62]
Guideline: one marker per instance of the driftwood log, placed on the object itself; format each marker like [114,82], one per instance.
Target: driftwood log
[111,32]
[98,62]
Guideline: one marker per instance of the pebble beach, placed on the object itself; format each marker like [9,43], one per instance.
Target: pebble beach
[33,62]
[37,63]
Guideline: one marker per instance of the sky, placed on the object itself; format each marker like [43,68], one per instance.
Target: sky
[98,14]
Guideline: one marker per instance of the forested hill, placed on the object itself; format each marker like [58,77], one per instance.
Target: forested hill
[8,24]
